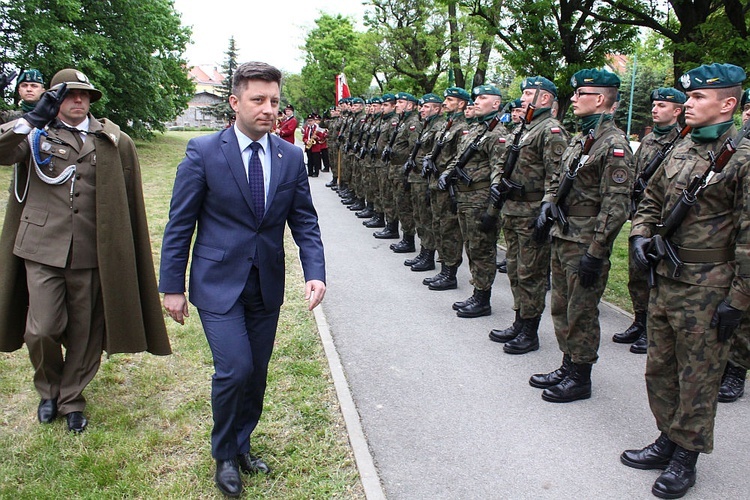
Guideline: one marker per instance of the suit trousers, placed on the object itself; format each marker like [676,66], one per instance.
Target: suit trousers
[65,309]
[241,343]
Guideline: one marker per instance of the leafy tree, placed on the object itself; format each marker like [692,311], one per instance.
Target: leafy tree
[223,110]
[130,49]
[553,38]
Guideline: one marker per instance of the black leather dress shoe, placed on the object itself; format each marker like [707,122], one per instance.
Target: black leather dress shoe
[47,411]
[250,464]
[76,422]
[228,478]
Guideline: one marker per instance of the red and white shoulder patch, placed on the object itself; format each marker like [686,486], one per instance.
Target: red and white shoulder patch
[501,140]
[555,130]
[412,127]
[618,152]
[465,132]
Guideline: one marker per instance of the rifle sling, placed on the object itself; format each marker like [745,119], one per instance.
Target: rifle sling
[705,255]
[515,195]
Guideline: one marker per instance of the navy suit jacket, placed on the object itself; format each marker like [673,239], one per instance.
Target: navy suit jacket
[211,190]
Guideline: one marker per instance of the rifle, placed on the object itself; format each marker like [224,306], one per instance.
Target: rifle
[386,154]
[506,185]
[642,181]
[365,147]
[661,245]
[411,162]
[566,184]
[468,153]
[374,149]
[358,143]
[428,162]
[348,145]
[5,79]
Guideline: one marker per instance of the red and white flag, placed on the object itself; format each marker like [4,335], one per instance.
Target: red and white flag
[342,88]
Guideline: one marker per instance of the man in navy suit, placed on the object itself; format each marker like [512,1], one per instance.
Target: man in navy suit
[237,270]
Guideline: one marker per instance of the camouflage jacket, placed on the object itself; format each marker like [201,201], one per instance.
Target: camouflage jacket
[369,138]
[603,186]
[451,138]
[542,146]
[427,138]
[719,220]
[388,125]
[408,133]
[650,146]
[485,160]
[358,124]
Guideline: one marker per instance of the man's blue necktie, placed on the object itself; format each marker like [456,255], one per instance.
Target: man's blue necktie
[255,179]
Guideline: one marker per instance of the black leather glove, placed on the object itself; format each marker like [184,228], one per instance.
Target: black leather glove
[727,319]
[638,248]
[541,224]
[495,194]
[589,269]
[442,182]
[46,109]
[488,223]
[6,79]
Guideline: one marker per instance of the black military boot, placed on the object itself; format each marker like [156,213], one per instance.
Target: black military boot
[447,281]
[432,279]
[422,254]
[527,340]
[426,264]
[679,476]
[479,307]
[334,182]
[509,333]
[544,380]
[576,385]
[640,346]
[633,332]
[368,212]
[502,266]
[349,200]
[406,245]
[378,220]
[389,232]
[359,204]
[732,384]
[654,456]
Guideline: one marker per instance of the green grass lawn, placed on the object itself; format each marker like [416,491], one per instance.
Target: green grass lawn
[150,417]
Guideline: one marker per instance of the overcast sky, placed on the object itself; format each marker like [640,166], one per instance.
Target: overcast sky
[268,31]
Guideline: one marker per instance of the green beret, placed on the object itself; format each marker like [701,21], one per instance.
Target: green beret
[357,100]
[594,78]
[668,94]
[376,100]
[31,75]
[539,82]
[389,98]
[713,76]
[469,103]
[431,98]
[485,90]
[406,97]
[368,101]
[457,92]
[745,97]
[516,103]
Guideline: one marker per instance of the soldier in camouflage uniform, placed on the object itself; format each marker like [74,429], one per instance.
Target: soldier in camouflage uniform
[334,146]
[692,316]
[597,206]
[666,108]
[433,122]
[445,226]
[353,176]
[473,198]
[542,144]
[408,133]
[370,181]
[359,176]
[387,138]
[387,124]
[733,381]
[29,89]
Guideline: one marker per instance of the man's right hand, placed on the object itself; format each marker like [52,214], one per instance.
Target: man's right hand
[176,306]
[541,224]
[442,182]
[47,108]
[638,248]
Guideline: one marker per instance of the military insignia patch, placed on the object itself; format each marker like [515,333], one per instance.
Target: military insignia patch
[559,149]
[501,140]
[465,132]
[618,152]
[412,127]
[685,81]
[620,175]
[555,130]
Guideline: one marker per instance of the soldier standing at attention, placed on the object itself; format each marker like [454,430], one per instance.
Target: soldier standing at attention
[693,315]
[596,204]
[666,108]
[488,140]
[541,147]
[383,200]
[29,89]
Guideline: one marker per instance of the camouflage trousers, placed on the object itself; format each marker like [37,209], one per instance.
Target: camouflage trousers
[637,286]
[685,362]
[528,264]
[402,202]
[346,168]
[355,180]
[575,309]
[420,201]
[370,182]
[333,157]
[481,248]
[377,173]
[445,227]
[386,195]
[739,351]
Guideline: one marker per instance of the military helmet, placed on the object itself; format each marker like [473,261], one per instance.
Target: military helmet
[75,80]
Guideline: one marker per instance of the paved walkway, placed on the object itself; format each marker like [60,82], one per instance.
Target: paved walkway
[447,415]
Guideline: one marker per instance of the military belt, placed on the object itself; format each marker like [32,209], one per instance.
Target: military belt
[528,196]
[582,211]
[705,255]
[475,186]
